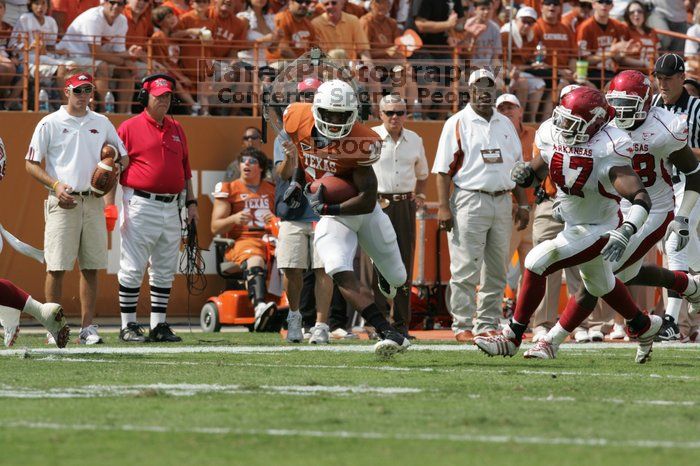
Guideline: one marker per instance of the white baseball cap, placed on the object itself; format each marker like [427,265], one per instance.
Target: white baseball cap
[479,74]
[526,12]
[510,98]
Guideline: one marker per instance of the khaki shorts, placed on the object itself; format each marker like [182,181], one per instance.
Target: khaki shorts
[79,233]
[295,246]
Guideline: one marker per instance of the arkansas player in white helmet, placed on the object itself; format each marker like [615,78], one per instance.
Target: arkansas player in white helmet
[589,162]
[330,142]
[659,141]
[14,300]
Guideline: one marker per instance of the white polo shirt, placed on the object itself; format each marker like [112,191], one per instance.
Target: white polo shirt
[28,23]
[71,145]
[401,163]
[490,148]
[91,26]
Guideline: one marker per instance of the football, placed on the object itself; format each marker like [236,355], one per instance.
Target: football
[337,189]
[104,178]
[108,152]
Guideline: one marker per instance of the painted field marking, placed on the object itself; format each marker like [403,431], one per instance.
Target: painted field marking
[343,434]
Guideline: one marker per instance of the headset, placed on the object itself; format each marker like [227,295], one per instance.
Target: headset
[142,97]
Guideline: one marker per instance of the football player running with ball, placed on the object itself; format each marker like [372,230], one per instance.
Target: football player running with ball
[659,140]
[330,142]
[589,162]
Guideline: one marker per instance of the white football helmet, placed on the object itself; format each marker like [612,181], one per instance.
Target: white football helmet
[335,109]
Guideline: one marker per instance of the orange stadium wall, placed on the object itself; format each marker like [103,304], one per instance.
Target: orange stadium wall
[213,143]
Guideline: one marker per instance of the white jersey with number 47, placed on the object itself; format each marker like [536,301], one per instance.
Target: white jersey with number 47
[582,172]
[661,134]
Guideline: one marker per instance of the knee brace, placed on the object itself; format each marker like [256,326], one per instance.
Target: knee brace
[255,282]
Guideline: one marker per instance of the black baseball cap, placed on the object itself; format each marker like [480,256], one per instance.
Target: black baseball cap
[669,64]
[551,2]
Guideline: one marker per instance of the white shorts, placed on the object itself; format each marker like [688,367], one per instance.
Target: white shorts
[337,237]
[577,245]
[295,246]
[688,257]
[640,244]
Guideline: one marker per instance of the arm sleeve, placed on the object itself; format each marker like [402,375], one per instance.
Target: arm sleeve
[39,145]
[447,147]
[422,171]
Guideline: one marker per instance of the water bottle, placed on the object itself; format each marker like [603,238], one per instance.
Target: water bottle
[109,102]
[43,101]
[582,63]
[417,110]
[540,53]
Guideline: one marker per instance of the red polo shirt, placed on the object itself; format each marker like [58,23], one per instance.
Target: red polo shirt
[158,156]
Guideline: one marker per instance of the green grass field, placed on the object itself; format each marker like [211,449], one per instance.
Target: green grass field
[446,405]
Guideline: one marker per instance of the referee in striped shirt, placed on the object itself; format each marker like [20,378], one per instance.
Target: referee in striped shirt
[669,71]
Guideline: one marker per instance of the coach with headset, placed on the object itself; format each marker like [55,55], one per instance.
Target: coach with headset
[158,171]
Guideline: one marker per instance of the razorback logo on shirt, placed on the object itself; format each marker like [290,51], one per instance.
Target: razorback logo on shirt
[646,135]
[94,131]
[65,130]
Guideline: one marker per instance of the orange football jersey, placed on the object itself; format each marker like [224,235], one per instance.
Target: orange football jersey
[320,156]
[259,203]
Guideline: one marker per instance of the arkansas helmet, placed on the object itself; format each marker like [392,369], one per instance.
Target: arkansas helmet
[335,109]
[630,95]
[580,114]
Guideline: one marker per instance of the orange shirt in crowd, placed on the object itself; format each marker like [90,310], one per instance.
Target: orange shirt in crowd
[381,33]
[520,56]
[165,50]
[527,140]
[191,50]
[176,9]
[649,43]
[226,30]
[571,20]
[349,8]
[258,203]
[275,6]
[556,37]
[72,8]
[138,31]
[296,35]
[595,38]
[346,35]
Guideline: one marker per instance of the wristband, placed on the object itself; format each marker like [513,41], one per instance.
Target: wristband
[191,202]
[330,209]
[524,207]
[53,186]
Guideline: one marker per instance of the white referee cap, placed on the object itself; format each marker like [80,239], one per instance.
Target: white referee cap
[480,74]
[510,98]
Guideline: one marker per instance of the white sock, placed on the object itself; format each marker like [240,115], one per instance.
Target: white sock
[157,318]
[127,318]
[322,324]
[33,308]
[673,308]
[293,312]
[557,335]
[9,316]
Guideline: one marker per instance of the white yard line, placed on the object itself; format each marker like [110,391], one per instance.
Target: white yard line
[343,434]
[361,348]
[100,391]
[66,357]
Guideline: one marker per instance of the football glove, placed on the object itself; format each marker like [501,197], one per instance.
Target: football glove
[522,174]
[680,227]
[619,239]
[292,196]
[557,214]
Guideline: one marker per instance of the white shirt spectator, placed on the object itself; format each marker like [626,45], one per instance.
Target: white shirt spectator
[490,148]
[253,35]
[71,145]
[92,27]
[692,48]
[30,24]
[401,164]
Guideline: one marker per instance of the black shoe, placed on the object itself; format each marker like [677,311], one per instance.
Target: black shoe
[163,334]
[669,330]
[133,333]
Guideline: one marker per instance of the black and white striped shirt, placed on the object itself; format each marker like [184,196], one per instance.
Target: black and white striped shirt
[687,105]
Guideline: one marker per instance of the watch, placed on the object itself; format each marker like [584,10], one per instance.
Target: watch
[191,202]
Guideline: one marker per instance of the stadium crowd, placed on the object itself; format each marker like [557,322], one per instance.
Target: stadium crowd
[540,45]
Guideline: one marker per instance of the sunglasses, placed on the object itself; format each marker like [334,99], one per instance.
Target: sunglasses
[249,137]
[303,2]
[82,90]
[202,1]
[391,113]
[117,3]
[635,12]
[307,95]
[528,21]
[605,2]
[250,160]
[330,3]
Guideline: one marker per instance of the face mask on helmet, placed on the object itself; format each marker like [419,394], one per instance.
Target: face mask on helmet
[628,109]
[570,128]
[335,109]
[335,124]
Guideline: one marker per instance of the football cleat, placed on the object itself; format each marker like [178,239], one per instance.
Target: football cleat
[263,312]
[504,344]
[693,297]
[11,333]
[646,340]
[162,333]
[669,330]
[595,335]
[294,331]
[132,333]
[54,321]
[320,335]
[89,336]
[391,343]
[543,349]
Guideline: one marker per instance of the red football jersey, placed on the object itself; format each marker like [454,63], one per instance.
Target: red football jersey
[320,156]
